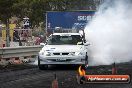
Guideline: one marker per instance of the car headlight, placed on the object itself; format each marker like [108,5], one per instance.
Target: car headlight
[79,53]
[73,53]
[41,53]
[47,54]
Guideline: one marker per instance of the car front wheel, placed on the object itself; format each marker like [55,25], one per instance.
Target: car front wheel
[42,66]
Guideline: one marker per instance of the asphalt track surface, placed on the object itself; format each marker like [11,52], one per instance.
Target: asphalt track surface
[29,76]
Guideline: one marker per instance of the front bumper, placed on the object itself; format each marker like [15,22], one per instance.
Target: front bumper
[50,60]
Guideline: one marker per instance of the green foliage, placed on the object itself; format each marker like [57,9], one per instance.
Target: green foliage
[36,9]
[6,9]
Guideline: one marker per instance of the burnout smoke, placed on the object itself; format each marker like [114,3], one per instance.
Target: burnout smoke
[110,33]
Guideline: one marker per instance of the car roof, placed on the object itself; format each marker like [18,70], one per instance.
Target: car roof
[66,34]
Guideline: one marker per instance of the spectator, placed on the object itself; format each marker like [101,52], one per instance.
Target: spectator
[15,36]
[37,41]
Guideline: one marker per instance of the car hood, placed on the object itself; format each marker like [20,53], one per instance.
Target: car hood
[63,48]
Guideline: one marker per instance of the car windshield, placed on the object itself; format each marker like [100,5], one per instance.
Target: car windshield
[65,39]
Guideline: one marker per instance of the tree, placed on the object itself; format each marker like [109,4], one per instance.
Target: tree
[6,12]
[36,9]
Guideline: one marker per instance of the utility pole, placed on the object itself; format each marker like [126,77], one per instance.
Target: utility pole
[7,33]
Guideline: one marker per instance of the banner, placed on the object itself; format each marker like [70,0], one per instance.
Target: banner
[3,34]
[12,27]
[68,19]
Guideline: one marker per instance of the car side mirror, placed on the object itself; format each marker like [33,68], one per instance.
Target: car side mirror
[79,43]
[42,44]
[86,44]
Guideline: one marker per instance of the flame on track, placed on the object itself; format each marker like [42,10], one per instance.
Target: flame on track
[81,71]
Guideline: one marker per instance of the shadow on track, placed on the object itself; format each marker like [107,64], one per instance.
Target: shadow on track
[62,67]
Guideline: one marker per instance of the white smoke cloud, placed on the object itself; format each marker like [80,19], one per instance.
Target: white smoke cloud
[110,33]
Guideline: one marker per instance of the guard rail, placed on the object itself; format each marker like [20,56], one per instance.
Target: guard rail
[20,51]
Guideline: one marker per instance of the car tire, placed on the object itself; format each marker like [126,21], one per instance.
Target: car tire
[40,66]
[86,59]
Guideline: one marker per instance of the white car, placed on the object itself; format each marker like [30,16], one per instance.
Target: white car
[63,48]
